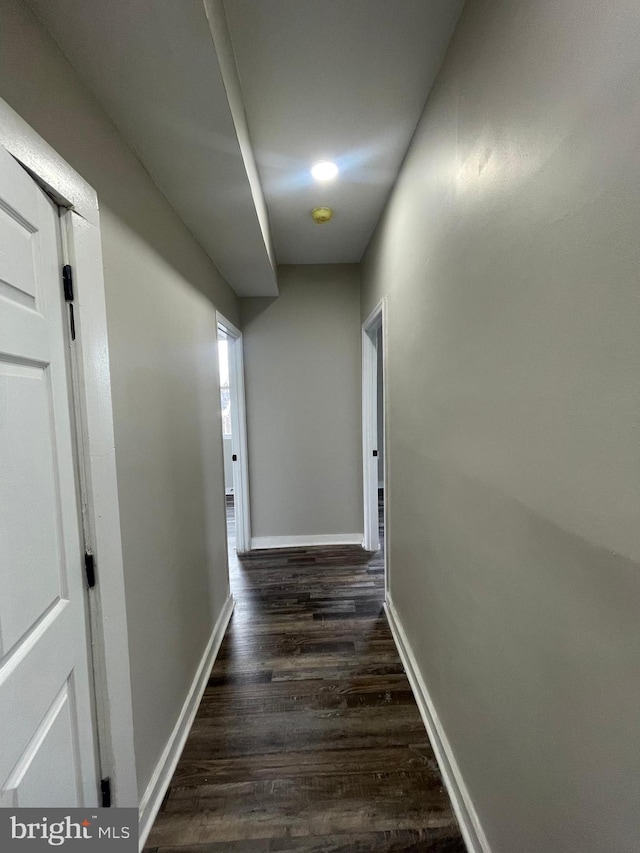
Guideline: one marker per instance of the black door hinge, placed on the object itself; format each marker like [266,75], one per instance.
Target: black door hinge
[67,282]
[90,570]
[72,322]
[105,788]
[375,452]
[234,458]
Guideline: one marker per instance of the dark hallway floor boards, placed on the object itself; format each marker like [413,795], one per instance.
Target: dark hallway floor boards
[308,737]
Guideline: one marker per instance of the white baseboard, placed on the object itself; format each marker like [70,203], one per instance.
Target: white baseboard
[159,782]
[259,543]
[461,801]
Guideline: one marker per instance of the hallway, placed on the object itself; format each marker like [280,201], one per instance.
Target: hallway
[308,737]
[426,211]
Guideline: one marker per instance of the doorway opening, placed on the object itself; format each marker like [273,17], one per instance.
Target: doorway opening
[234,437]
[374,458]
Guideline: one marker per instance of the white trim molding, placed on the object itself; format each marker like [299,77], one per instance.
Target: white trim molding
[261,543]
[371,541]
[54,174]
[238,434]
[470,826]
[100,508]
[161,777]
[377,320]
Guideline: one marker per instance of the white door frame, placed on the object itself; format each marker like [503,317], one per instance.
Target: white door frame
[91,382]
[238,435]
[377,319]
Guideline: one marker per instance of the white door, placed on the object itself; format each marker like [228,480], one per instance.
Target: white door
[47,750]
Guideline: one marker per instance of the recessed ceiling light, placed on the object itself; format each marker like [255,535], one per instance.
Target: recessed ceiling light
[324,171]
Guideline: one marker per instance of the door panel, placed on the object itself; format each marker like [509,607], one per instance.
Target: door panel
[34,779]
[47,749]
[17,260]
[32,549]
[18,279]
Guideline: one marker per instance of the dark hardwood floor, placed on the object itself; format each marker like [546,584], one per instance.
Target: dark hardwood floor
[308,737]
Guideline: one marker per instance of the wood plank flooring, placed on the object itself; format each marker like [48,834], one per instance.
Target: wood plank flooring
[308,737]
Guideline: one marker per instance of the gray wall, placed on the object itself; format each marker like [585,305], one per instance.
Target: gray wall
[160,293]
[509,254]
[302,373]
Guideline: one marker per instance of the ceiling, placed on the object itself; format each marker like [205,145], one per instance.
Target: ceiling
[343,80]
[312,79]
[153,67]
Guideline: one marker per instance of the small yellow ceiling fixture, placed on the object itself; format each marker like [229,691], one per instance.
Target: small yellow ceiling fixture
[321,214]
